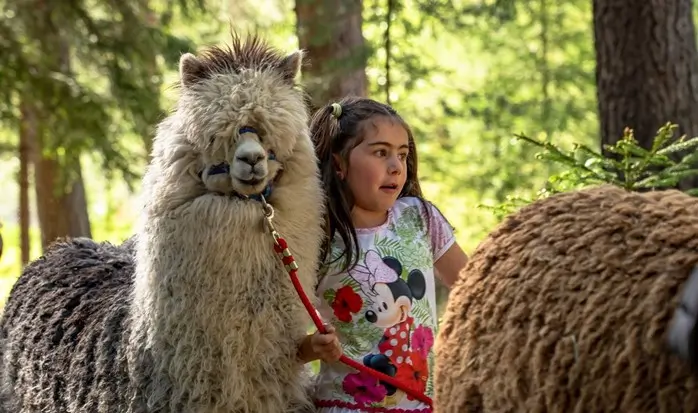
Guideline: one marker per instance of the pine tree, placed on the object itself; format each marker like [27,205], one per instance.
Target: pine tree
[631,166]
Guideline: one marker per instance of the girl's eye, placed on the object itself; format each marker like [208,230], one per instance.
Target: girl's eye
[403,156]
[381,152]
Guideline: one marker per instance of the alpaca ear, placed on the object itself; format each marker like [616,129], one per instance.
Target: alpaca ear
[190,69]
[291,65]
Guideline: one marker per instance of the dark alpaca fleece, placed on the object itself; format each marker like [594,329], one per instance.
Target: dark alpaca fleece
[85,313]
[565,308]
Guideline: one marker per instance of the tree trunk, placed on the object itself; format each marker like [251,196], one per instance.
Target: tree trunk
[646,69]
[62,208]
[60,194]
[27,135]
[53,218]
[330,32]
[76,205]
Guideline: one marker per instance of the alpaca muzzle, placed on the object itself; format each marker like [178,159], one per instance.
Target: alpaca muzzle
[248,175]
[250,161]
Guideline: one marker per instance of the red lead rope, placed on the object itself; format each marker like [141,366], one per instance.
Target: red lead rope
[281,247]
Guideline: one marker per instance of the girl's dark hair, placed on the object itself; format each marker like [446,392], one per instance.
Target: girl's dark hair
[338,135]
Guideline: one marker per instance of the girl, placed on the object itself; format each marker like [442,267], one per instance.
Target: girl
[384,242]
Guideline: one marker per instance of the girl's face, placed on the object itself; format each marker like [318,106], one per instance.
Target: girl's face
[376,171]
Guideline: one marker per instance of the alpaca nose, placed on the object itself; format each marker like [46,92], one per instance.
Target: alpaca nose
[251,159]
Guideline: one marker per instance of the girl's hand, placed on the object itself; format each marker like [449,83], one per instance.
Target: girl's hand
[325,347]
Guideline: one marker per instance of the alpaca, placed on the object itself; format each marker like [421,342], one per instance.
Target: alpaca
[566,307]
[195,313]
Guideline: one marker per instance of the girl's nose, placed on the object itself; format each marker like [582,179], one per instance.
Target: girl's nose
[394,166]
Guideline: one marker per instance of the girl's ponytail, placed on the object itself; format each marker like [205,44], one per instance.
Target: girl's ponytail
[324,127]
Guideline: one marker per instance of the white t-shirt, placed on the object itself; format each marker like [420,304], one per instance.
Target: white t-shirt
[384,311]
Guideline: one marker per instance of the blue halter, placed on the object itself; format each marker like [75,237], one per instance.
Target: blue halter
[224,168]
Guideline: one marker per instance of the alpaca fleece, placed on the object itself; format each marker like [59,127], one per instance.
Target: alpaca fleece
[195,313]
[63,348]
[566,305]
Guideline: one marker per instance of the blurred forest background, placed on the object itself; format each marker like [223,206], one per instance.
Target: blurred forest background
[84,82]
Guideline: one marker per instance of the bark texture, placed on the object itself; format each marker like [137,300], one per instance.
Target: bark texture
[647,68]
[330,32]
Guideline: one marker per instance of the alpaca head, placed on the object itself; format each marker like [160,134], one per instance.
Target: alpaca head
[242,113]
[239,129]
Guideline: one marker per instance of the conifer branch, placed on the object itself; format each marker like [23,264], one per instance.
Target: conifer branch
[633,168]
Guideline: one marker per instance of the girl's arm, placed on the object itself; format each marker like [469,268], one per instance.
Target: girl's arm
[450,264]
[449,257]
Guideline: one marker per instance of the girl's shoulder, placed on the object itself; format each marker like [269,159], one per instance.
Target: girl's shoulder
[425,214]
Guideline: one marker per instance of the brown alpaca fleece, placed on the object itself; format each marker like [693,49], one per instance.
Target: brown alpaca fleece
[565,308]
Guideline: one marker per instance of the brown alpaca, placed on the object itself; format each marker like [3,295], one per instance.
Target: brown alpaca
[566,308]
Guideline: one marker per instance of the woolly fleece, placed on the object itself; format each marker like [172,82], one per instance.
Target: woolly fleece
[566,305]
[195,314]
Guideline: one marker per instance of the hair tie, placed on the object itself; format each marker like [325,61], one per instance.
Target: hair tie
[336,110]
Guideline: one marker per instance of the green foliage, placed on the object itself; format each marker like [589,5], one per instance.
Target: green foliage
[630,166]
[92,72]
[465,74]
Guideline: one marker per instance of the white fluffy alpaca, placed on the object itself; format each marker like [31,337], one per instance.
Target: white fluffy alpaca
[195,314]
[212,303]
